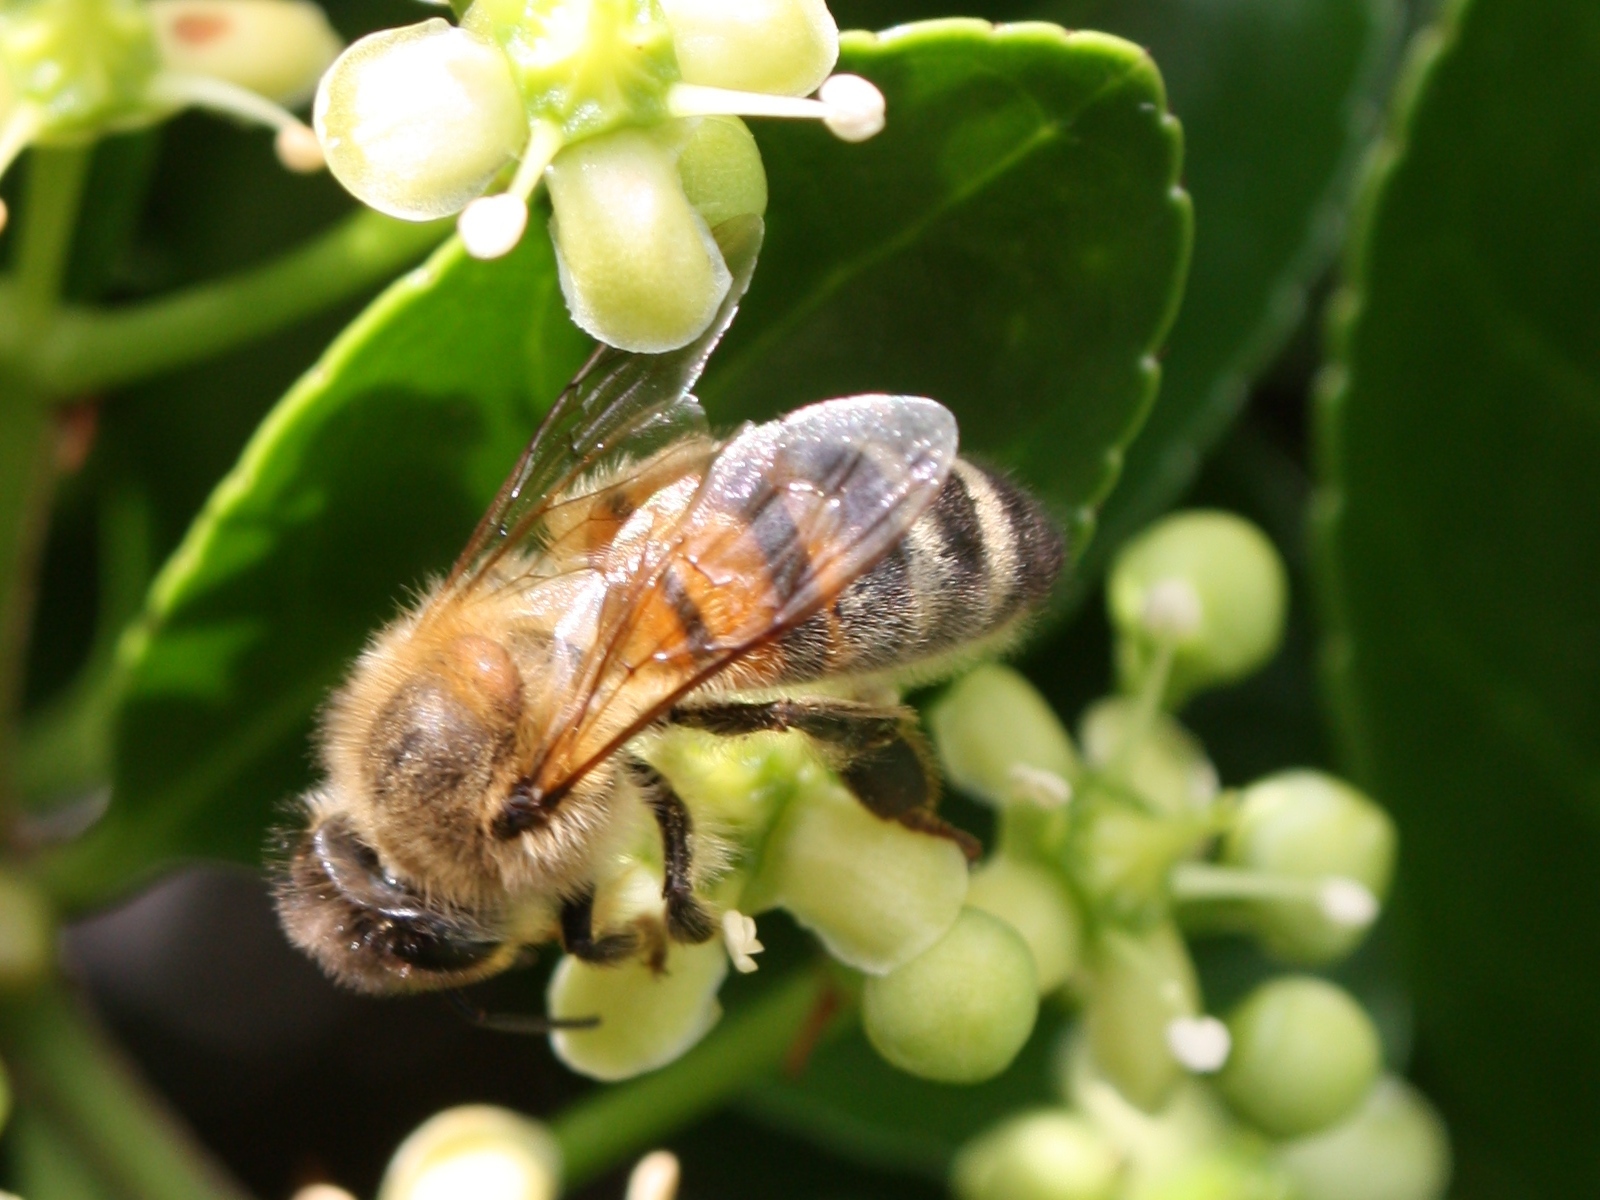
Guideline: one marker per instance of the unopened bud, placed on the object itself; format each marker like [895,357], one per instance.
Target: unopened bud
[1395,1147]
[417,121]
[1305,1054]
[786,47]
[1030,899]
[639,267]
[1044,1155]
[646,1019]
[999,739]
[479,1151]
[275,48]
[960,1011]
[1155,756]
[1225,624]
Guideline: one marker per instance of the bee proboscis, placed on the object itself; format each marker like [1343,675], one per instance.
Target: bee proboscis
[635,572]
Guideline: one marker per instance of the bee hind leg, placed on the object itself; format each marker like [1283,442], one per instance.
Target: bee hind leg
[687,919]
[878,752]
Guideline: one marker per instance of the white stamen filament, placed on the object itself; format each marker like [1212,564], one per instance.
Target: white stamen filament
[1341,900]
[654,1177]
[491,226]
[1200,1044]
[739,935]
[1038,786]
[295,140]
[850,106]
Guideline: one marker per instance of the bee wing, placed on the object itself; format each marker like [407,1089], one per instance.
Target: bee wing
[619,404]
[788,515]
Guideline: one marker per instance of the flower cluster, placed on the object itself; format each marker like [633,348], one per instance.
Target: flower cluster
[627,109]
[1114,846]
[74,70]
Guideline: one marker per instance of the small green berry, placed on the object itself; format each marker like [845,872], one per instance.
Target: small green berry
[1305,1054]
[1033,901]
[476,1150]
[646,1018]
[1207,586]
[1395,1147]
[960,1011]
[1048,1154]
[999,739]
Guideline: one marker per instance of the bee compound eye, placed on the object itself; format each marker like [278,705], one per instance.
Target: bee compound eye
[369,929]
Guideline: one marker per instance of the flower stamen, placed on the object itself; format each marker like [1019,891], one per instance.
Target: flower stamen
[296,145]
[739,935]
[850,106]
[491,226]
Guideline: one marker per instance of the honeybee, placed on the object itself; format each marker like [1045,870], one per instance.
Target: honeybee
[634,572]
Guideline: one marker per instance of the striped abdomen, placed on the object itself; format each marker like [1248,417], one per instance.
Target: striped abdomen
[984,554]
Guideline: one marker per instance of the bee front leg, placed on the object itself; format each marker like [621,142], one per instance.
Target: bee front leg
[577,933]
[687,919]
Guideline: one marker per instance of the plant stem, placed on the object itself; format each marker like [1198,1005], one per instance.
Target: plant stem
[87,350]
[27,450]
[66,1067]
[617,1123]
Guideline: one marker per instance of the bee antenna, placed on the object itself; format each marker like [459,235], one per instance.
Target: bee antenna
[525,1024]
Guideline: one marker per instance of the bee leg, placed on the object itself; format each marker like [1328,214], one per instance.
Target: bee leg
[577,934]
[848,725]
[879,754]
[687,919]
[527,1024]
[898,782]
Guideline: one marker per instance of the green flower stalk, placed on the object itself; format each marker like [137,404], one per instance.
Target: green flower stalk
[627,109]
[72,71]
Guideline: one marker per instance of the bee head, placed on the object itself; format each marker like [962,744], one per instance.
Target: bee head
[368,929]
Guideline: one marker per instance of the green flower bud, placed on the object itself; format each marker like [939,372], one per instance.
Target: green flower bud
[646,1019]
[27,934]
[275,48]
[1206,587]
[1152,754]
[1306,825]
[999,739]
[479,1151]
[719,167]
[80,69]
[417,121]
[1143,1015]
[874,892]
[1394,1148]
[1226,1174]
[960,1011]
[1030,899]
[1305,1054]
[639,267]
[1043,1155]
[786,47]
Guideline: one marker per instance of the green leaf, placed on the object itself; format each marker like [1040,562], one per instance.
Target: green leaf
[1279,101]
[1014,244]
[1460,433]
